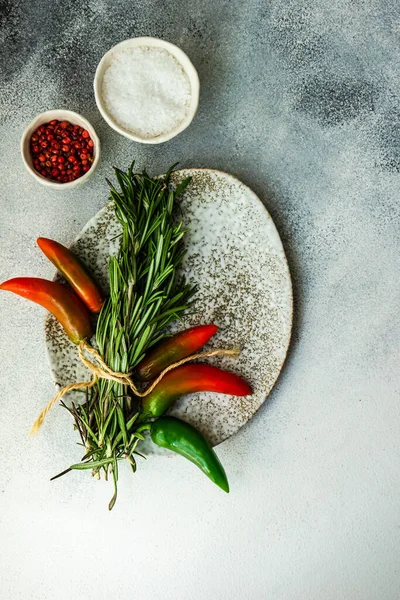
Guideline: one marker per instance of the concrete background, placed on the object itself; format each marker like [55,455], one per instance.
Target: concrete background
[301,100]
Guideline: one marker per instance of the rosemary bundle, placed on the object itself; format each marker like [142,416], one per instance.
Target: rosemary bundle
[145,297]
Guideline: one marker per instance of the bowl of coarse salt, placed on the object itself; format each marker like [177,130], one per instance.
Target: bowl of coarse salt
[147,89]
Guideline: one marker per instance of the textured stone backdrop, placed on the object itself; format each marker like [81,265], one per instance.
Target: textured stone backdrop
[301,100]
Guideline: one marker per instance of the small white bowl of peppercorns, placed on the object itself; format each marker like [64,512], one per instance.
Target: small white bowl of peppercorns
[60,149]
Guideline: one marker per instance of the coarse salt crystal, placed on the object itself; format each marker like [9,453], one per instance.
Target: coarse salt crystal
[146,91]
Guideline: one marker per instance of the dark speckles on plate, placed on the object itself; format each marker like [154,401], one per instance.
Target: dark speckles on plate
[236,258]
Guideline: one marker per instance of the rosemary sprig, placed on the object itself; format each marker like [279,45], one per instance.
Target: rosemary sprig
[144,298]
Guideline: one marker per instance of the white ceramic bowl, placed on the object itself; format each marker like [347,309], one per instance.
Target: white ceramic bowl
[183,60]
[60,115]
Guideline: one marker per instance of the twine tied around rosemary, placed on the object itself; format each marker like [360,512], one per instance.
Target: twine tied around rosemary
[100,370]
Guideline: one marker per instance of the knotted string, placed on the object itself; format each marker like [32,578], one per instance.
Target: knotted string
[100,370]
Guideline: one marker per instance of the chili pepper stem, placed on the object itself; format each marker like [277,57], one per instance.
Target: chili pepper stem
[144,427]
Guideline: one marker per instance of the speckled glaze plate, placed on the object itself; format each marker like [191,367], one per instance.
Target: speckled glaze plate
[235,256]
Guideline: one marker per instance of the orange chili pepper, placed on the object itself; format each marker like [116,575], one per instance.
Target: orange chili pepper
[173,349]
[63,303]
[74,272]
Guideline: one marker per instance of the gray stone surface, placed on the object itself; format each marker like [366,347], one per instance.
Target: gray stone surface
[301,100]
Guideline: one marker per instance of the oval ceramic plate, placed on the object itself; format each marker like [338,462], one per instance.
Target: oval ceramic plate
[235,256]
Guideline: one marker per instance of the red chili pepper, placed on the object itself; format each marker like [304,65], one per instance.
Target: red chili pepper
[74,272]
[63,303]
[188,379]
[173,349]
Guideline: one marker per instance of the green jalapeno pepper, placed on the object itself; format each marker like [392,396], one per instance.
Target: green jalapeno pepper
[184,439]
